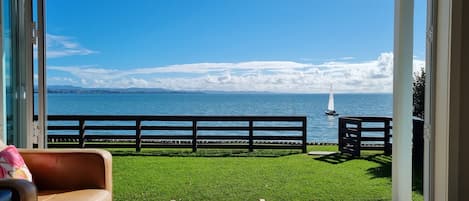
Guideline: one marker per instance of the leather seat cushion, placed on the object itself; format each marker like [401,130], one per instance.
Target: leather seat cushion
[78,195]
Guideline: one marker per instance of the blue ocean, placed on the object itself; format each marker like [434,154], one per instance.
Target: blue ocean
[321,128]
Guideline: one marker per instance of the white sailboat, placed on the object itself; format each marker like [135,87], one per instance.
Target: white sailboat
[330,106]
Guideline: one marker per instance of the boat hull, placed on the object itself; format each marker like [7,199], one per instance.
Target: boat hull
[331,113]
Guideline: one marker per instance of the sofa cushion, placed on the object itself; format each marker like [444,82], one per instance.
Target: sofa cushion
[78,195]
[12,164]
[66,169]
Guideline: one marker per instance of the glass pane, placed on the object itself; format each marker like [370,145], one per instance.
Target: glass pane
[9,27]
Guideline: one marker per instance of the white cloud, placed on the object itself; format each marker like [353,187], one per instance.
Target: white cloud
[202,68]
[62,46]
[277,76]
[346,58]
[61,81]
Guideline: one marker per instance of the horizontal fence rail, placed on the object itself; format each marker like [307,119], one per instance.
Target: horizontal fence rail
[136,131]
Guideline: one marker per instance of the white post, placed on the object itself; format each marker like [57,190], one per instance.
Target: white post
[42,86]
[402,100]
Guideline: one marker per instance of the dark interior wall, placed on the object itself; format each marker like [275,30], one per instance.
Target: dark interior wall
[464,107]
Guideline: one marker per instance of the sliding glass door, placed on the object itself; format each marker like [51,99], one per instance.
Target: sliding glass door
[17,77]
[10,89]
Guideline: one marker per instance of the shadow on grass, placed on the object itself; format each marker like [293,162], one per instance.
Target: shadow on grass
[205,153]
[336,158]
[383,170]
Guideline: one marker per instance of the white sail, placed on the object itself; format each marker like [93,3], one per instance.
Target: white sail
[330,106]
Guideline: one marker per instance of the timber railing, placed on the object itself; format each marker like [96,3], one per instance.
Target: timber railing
[373,133]
[132,131]
[364,133]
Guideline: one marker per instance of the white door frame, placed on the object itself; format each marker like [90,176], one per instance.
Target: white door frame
[429,102]
[42,86]
[445,97]
[25,75]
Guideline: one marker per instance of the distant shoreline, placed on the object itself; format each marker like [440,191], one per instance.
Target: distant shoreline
[217,93]
[81,90]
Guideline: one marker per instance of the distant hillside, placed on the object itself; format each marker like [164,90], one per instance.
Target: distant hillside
[68,89]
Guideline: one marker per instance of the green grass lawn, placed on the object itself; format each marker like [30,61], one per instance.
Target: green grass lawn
[237,175]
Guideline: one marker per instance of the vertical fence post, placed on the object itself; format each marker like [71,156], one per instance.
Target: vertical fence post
[387,143]
[359,139]
[251,136]
[340,135]
[305,134]
[81,139]
[138,135]
[194,135]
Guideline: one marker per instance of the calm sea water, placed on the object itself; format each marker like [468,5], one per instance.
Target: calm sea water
[321,128]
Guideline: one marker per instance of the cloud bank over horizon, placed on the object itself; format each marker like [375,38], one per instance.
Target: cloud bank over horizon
[346,74]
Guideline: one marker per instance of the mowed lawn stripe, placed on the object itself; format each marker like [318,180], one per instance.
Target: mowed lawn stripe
[291,177]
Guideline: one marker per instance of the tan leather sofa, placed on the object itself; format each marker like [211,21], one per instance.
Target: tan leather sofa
[65,174]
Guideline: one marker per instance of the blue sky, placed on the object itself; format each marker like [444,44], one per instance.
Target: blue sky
[232,45]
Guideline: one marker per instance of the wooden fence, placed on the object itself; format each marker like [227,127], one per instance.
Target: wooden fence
[373,133]
[127,131]
[353,134]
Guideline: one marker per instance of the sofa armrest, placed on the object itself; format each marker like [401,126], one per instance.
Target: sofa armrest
[22,190]
[69,169]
